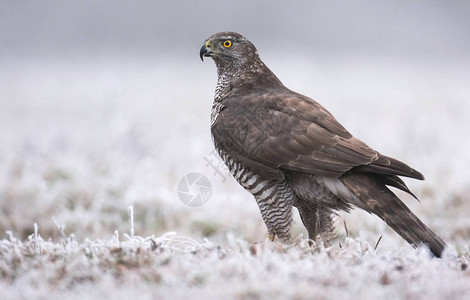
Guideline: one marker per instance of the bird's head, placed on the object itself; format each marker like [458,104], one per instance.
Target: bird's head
[228,48]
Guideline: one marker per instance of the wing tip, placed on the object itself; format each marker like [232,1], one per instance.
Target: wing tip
[390,166]
[413,174]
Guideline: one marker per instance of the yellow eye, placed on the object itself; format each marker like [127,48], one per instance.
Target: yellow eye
[227,44]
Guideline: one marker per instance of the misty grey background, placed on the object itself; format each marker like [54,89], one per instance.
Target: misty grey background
[430,29]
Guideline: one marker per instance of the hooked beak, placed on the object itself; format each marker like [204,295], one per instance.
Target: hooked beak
[205,51]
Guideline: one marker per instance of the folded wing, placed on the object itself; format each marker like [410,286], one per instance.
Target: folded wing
[283,130]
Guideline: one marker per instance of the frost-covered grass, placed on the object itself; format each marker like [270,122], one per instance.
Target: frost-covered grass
[175,267]
[82,141]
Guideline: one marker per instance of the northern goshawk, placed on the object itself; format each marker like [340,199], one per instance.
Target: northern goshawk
[288,150]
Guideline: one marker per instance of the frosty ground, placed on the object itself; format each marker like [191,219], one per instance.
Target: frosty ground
[83,141]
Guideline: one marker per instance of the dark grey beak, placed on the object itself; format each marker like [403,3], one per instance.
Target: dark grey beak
[204,52]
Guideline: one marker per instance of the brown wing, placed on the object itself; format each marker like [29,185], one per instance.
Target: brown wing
[268,132]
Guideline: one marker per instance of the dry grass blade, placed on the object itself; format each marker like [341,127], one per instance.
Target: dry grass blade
[378,242]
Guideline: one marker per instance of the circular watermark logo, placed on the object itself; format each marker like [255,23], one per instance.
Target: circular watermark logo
[194,189]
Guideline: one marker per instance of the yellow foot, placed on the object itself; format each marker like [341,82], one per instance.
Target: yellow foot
[271,237]
[312,241]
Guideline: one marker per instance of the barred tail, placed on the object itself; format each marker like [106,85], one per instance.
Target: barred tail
[378,199]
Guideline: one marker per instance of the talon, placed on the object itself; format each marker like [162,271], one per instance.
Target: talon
[271,237]
[312,240]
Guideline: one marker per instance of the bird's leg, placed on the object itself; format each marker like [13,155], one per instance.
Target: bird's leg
[275,204]
[310,216]
[327,228]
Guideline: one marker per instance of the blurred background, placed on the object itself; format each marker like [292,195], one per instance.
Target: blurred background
[105,104]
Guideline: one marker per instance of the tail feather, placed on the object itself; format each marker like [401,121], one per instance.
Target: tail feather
[379,200]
